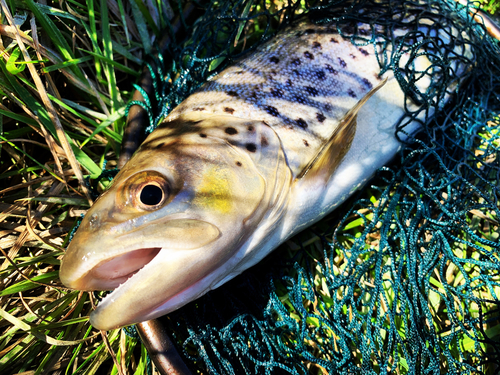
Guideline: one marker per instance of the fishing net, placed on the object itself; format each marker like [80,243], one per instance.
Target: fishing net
[404,276]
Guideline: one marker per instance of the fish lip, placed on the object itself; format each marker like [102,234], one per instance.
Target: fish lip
[111,269]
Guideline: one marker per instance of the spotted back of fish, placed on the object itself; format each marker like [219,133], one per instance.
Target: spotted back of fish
[301,84]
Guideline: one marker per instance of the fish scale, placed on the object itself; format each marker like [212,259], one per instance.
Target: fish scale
[302,93]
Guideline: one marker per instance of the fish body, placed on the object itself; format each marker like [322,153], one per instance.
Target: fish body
[263,150]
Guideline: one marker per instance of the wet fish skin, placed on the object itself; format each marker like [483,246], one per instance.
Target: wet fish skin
[230,164]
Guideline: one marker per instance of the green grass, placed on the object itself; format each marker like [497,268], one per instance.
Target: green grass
[65,81]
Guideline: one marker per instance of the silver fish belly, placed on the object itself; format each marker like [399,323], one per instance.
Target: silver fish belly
[269,146]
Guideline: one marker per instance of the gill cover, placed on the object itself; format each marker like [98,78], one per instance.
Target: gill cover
[179,210]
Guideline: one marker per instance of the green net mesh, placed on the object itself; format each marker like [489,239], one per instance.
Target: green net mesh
[403,277]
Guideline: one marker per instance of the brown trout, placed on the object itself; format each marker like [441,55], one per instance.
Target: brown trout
[263,150]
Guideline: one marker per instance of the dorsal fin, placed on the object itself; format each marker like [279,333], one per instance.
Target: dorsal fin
[331,154]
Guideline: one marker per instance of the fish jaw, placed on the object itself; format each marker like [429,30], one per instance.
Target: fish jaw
[138,299]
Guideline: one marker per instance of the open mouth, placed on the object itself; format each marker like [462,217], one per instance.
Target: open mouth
[110,274]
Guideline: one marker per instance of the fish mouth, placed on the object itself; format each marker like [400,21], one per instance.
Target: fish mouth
[111,273]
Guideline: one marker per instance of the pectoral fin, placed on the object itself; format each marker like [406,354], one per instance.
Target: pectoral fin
[331,154]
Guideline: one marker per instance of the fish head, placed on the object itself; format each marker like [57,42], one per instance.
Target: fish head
[160,235]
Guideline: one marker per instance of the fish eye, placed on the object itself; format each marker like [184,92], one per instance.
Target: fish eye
[146,191]
[151,195]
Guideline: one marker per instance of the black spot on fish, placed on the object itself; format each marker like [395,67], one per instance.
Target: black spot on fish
[367,83]
[309,55]
[203,135]
[300,122]
[289,82]
[264,142]
[364,51]
[348,29]
[229,110]
[296,72]
[296,62]
[231,131]
[253,95]
[199,109]
[333,40]
[321,117]
[312,91]
[251,147]
[330,69]
[238,163]
[328,107]
[232,93]
[378,77]
[272,110]
[305,143]
[299,99]
[316,45]
[251,128]
[352,56]
[272,73]
[320,74]
[239,72]
[342,62]
[351,93]
[277,93]
[274,59]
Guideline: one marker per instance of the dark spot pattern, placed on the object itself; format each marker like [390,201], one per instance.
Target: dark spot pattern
[321,117]
[305,143]
[312,91]
[274,59]
[289,82]
[378,77]
[352,56]
[238,163]
[320,74]
[299,99]
[264,142]
[277,93]
[309,55]
[317,45]
[364,51]
[203,135]
[296,72]
[296,62]
[229,110]
[367,83]
[251,128]
[300,122]
[330,69]
[231,131]
[253,95]
[333,40]
[232,93]
[351,93]
[328,107]
[272,110]
[251,147]
[199,109]
[342,62]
